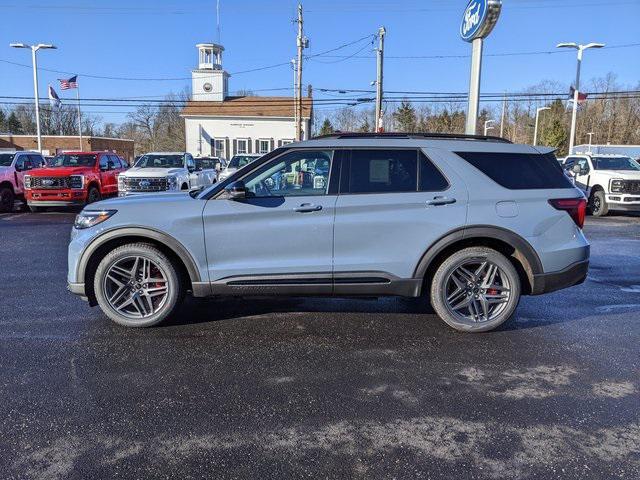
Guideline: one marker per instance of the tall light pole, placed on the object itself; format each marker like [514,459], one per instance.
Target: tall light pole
[488,126]
[535,130]
[591,134]
[379,85]
[34,61]
[574,116]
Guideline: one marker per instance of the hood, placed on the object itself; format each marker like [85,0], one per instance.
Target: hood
[151,198]
[138,172]
[59,171]
[621,174]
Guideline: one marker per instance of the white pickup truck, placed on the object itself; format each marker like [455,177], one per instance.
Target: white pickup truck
[13,166]
[610,182]
[164,171]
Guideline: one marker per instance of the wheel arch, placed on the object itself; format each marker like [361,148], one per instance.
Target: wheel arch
[95,251]
[521,254]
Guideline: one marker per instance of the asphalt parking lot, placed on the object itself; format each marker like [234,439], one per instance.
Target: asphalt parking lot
[317,388]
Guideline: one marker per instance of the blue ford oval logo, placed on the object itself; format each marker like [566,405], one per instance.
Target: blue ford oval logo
[479,18]
[144,184]
[47,182]
[473,18]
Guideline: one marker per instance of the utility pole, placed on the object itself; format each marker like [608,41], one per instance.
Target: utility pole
[379,82]
[535,131]
[504,113]
[295,94]
[302,43]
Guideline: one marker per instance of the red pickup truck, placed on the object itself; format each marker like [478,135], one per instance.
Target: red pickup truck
[73,178]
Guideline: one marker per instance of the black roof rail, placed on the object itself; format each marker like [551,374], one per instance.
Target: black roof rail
[432,136]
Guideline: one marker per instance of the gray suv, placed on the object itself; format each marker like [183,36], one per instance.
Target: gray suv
[472,222]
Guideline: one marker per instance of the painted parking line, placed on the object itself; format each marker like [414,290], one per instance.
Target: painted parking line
[12,217]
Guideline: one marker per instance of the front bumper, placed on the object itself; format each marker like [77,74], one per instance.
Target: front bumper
[569,277]
[56,198]
[623,201]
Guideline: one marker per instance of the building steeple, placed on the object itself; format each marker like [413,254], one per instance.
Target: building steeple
[209,81]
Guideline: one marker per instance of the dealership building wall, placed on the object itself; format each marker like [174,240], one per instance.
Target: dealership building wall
[53,144]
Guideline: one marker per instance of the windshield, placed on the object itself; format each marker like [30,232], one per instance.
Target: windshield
[160,161]
[70,160]
[615,163]
[240,161]
[6,159]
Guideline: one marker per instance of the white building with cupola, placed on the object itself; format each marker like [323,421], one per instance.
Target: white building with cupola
[220,125]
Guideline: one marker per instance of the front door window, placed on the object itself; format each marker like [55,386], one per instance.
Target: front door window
[293,174]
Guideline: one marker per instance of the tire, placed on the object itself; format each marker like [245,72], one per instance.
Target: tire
[598,204]
[447,293]
[184,187]
[93,195]
[130,306]
[7,199]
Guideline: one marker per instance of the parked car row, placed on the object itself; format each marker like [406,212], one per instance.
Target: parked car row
[81,178]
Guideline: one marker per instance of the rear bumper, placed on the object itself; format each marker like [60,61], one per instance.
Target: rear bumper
[550,282]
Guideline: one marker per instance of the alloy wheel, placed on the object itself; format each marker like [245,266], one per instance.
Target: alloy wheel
[136,287]
[477,291]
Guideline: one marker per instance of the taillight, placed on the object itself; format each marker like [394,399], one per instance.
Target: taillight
[575,207]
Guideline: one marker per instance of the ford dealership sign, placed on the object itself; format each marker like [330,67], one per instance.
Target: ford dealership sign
[479,18]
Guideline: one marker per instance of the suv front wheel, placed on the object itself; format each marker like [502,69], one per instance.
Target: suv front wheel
[475,290]
[137,285]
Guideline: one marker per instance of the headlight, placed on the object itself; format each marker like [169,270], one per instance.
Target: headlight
[121,186]
[27,182]
[172,182]
[91,218]
[76,182]
[617,186]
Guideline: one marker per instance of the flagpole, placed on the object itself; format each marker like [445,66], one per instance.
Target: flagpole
[79,114]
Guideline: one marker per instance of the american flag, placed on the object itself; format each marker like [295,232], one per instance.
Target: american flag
[70,83]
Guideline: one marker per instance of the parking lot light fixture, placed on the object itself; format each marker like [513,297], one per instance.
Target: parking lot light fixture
[580,48]
[488,126]
[535,131]
[34,61]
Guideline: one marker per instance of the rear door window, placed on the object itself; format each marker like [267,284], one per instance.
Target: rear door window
[383,171]
[519,171]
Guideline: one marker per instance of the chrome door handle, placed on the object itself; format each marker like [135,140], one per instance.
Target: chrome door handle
[439,201]
[307,208]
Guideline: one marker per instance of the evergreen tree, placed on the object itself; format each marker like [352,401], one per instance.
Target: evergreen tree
[3,121]
[13,124]
[327,128]
[406,117]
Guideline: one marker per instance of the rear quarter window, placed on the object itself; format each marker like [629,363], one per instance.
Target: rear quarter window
[519,171]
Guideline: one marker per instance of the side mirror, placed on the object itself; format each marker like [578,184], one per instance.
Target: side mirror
[236,190]
[111,165]
[191,168]
[577,169]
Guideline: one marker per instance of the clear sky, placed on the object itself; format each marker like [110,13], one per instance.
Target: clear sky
[156,39]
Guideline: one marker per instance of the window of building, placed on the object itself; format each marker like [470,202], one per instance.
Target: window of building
[242,146]
[292,174]
[218,148]
[264,146]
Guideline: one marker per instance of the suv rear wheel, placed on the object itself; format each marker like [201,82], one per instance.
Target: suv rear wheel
[137,285]
[475,290]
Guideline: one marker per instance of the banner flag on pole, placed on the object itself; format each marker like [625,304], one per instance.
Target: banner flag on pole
[54,100]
